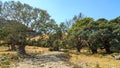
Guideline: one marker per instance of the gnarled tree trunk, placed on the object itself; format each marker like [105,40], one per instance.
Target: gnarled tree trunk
[21,49]
[92,48]
[94,51]
[79,46]
[107,48]
[12,48]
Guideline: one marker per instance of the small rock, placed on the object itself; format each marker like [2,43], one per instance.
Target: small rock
[117,57]
[42,65]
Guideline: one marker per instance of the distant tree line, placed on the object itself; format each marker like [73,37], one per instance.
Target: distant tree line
[96,34]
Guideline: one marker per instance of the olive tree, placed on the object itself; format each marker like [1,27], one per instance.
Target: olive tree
[16,34]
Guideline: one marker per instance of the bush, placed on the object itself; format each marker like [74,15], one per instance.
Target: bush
[55,46]
[6,63]
[115,48]
[97,66]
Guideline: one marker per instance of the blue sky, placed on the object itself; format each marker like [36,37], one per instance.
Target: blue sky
[62,10]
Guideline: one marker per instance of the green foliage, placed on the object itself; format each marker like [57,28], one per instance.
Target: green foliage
[17,20]
[1,33]
[79,33]
[15,33]
[95,34]
[6,63]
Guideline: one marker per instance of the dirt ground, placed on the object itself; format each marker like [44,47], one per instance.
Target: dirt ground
[42,58]
[46,59]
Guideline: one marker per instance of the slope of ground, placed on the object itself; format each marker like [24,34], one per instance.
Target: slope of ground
[46,60]
[43,58]
[40,58]
[95,61]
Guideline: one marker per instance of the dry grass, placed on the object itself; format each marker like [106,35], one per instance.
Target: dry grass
[10,57]
[106,61]
[36,38]
[29,50]
[36,50]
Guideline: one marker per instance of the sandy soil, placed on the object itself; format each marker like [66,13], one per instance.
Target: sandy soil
[46,60]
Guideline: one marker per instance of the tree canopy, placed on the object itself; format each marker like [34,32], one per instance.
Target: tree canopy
[19,21]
